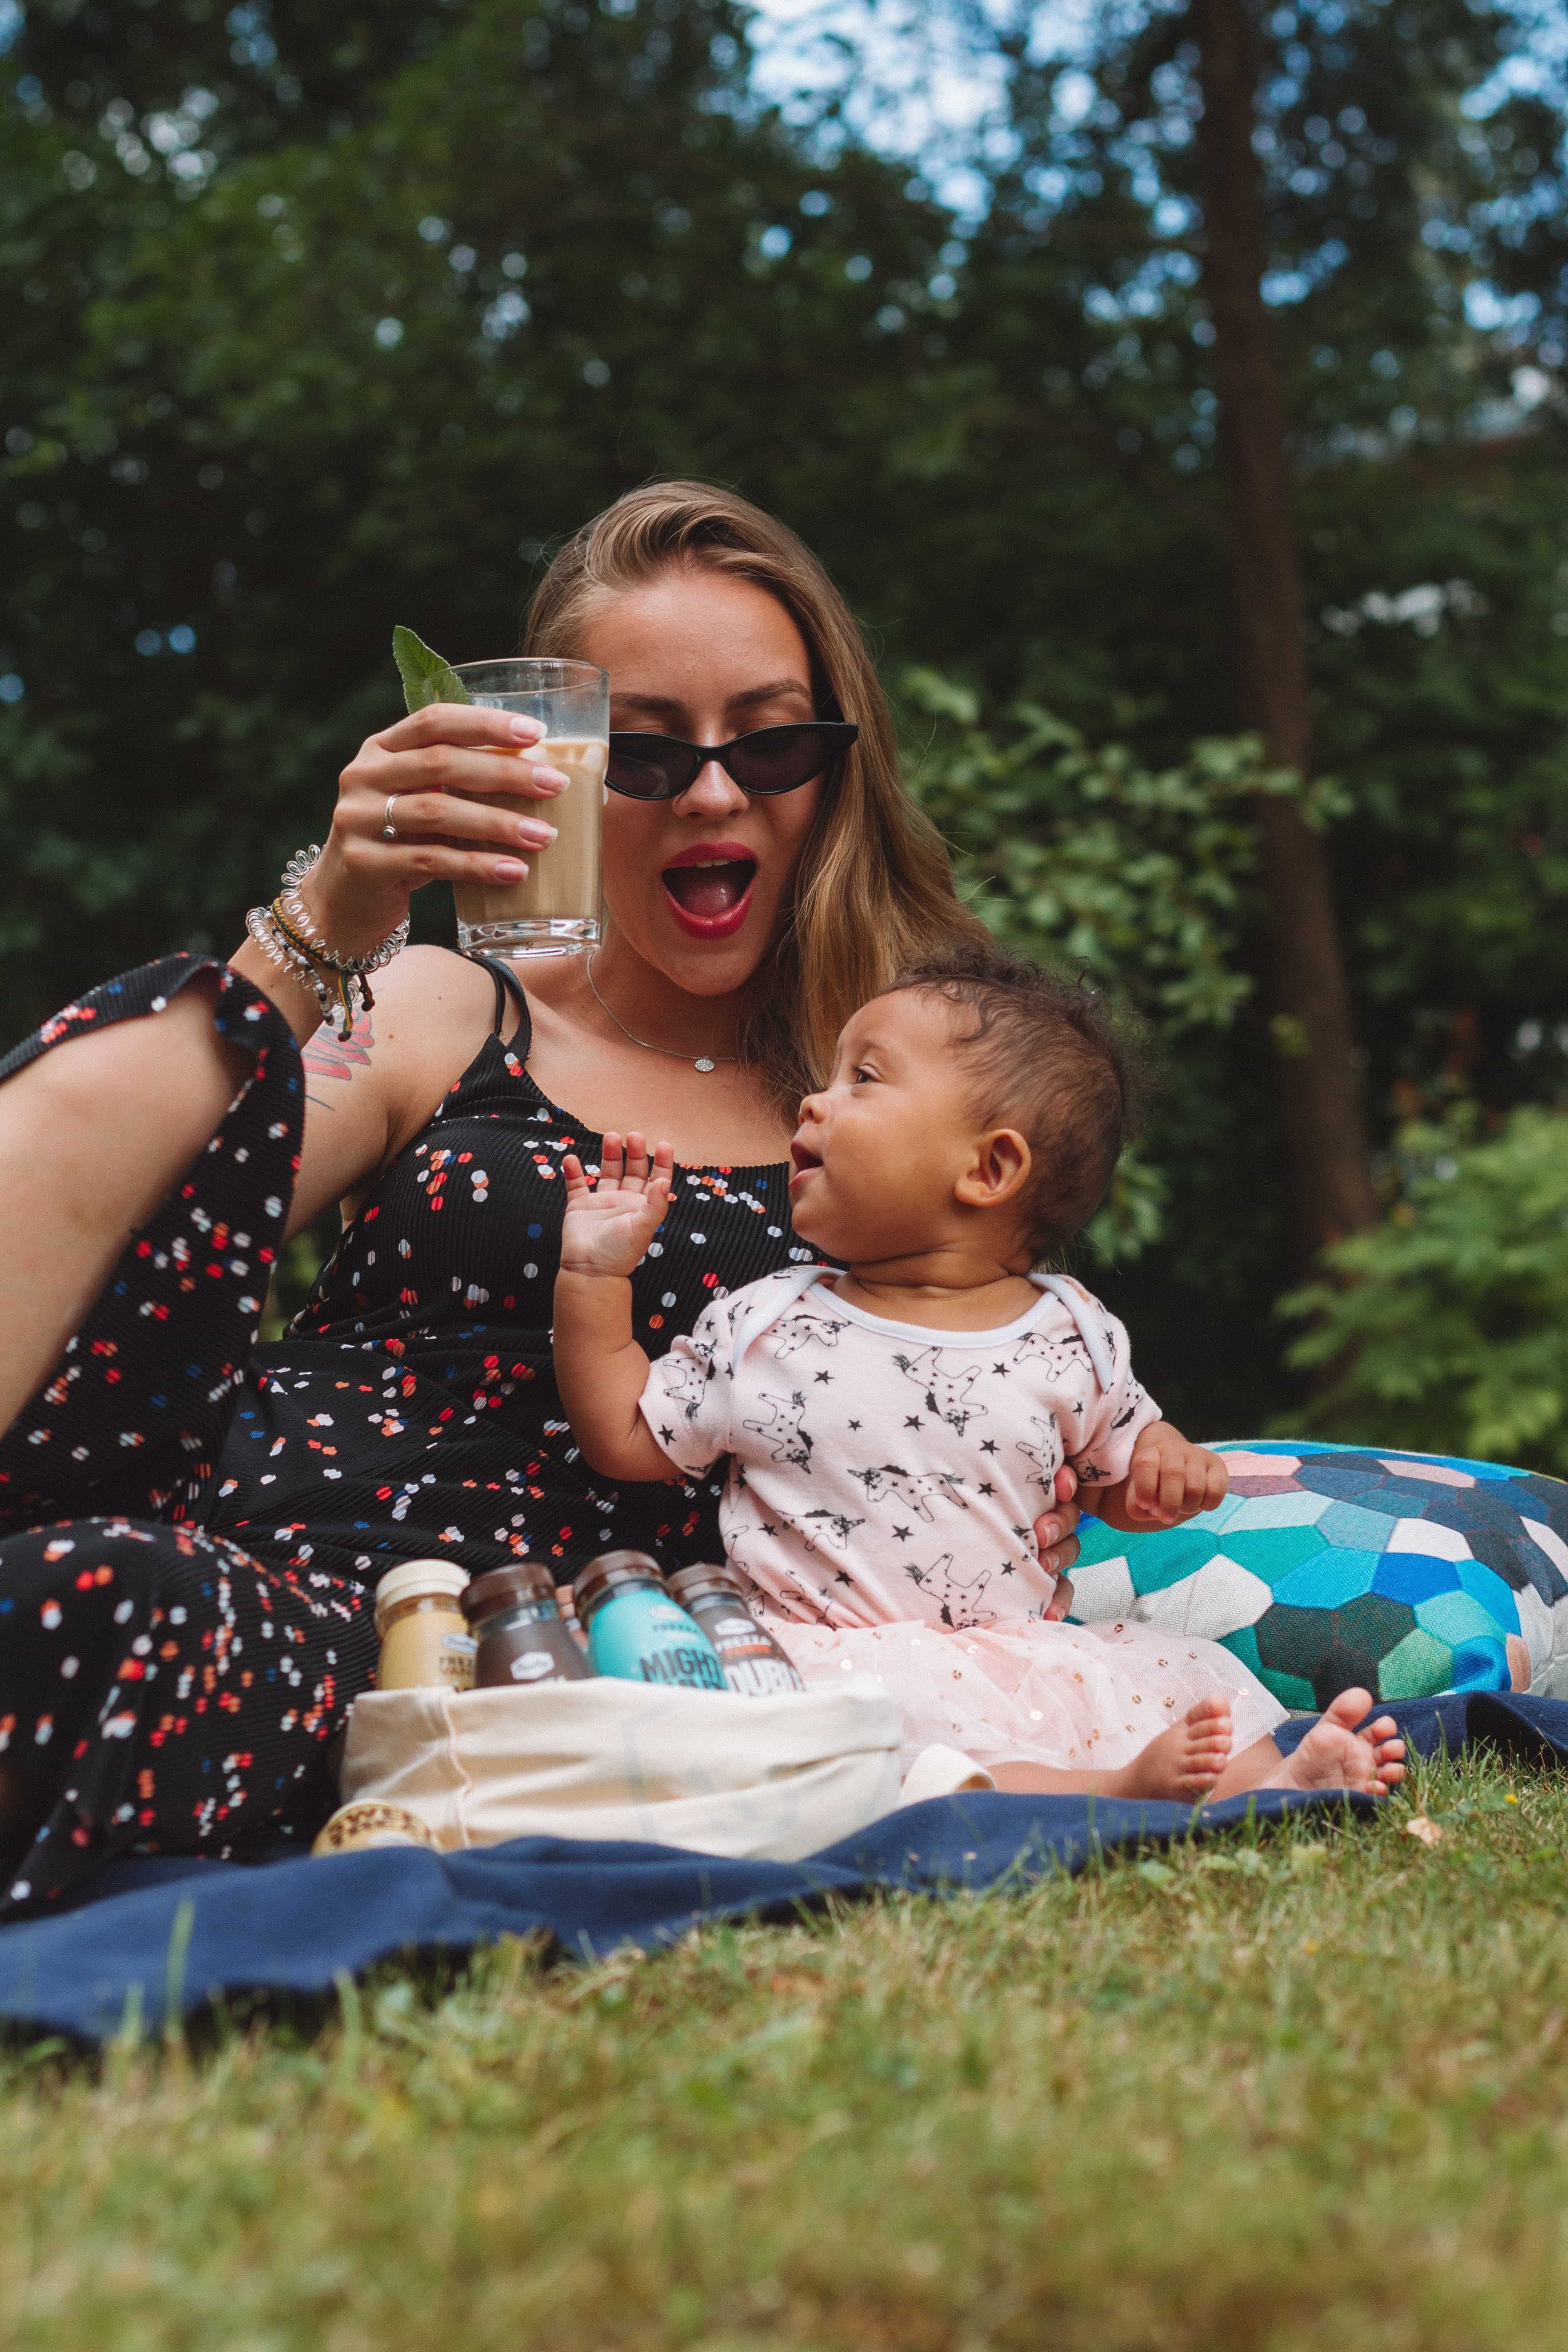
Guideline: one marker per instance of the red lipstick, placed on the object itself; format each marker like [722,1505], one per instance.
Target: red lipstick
[713,895]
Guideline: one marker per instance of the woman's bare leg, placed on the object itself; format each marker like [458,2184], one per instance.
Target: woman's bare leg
[92,1135]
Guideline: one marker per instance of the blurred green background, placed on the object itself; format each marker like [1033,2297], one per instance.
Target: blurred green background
[318,317]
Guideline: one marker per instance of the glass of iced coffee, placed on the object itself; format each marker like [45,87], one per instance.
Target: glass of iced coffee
[554,910]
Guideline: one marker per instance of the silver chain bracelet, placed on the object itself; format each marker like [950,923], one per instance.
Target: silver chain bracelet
[293,906]
[287,937]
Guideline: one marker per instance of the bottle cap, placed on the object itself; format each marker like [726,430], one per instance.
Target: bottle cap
[418,1579]
[612,1572]
[503,1588]
[689,1584]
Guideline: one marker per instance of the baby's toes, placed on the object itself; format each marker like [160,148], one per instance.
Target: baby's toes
[1210,1719]
[1346,1711]
[1212,1759]
[1358,1765]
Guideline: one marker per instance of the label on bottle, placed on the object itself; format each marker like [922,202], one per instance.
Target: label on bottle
[533,1667]
[685,1666]
[764,1676]
[753,1665]
[456,1662]
[645,1636]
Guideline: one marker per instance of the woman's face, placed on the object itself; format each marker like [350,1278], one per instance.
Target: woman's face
[700,886]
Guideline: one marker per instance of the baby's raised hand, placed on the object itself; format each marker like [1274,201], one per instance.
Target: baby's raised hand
[609,1226]
[1171,1479]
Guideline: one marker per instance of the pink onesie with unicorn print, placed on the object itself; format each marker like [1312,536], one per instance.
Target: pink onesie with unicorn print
[884,1479]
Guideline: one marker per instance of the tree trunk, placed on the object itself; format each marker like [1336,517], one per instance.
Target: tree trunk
[1316,1061]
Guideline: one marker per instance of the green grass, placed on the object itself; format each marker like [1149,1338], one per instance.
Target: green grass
[1297,2094]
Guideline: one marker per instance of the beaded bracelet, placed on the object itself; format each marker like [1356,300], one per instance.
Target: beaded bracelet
[353,989]
[287,937]
[337,1010]
[292,914]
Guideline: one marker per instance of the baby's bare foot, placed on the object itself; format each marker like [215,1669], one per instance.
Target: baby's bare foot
[1335,1755]
[1184,1761]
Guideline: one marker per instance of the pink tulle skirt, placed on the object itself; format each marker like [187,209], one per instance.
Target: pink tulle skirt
[1076,1697]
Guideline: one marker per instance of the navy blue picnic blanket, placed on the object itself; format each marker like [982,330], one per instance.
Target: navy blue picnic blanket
[157,1940]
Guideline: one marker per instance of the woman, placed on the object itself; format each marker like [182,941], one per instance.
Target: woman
[175,1666]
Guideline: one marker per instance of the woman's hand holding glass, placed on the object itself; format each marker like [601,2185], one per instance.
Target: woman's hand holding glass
[433,777]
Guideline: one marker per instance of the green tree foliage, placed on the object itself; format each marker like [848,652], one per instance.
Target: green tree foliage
[1089,856]
[1082,856]
[1139,878]
[278,391]
[1414,167]
[1447,1329]
[1414,193]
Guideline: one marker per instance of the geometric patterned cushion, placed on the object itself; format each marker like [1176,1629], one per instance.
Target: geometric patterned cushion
[1328,1565]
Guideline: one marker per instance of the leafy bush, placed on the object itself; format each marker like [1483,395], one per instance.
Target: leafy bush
[1450,1321]
[1083,855]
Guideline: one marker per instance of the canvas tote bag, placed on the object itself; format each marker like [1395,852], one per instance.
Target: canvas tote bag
[715,1772]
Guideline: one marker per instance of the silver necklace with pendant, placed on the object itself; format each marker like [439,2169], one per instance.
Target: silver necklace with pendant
[703,1062]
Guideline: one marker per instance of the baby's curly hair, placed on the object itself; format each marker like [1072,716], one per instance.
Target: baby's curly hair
[1050,1059]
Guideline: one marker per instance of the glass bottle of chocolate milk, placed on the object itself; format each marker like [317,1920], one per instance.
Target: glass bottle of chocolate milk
[753,1661]
[522,1639]
[556,908]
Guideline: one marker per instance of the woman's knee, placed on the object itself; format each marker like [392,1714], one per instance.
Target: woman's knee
[121,1569]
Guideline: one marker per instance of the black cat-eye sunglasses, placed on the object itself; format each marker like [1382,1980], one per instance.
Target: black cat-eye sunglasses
[770,760]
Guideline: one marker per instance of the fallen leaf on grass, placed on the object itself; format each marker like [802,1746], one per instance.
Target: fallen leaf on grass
[1424,1832]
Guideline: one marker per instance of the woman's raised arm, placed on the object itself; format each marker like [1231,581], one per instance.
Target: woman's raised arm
[430,779]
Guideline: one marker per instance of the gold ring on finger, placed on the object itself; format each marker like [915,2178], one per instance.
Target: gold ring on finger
[388,829]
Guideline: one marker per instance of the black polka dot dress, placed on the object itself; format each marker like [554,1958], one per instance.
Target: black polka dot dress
[191,1530]
[412,1412]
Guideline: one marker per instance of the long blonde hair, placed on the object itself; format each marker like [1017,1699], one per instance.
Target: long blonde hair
[873,889]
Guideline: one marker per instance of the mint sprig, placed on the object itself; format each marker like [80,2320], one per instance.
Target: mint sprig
[426,677]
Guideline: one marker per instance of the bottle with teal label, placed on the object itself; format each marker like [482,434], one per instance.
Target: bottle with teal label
[635,1631]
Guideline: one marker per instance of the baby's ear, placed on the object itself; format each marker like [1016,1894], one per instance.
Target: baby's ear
[998,1170]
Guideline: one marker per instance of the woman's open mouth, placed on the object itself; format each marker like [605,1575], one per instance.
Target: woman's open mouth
[709,887]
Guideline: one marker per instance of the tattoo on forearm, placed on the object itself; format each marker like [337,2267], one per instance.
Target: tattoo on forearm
[330,1056]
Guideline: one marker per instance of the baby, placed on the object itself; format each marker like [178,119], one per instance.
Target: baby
[894,1431]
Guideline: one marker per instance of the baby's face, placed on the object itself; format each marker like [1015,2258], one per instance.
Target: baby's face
[879,1150]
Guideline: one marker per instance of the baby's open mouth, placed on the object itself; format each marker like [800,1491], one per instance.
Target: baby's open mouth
[712,889]
[804,1158]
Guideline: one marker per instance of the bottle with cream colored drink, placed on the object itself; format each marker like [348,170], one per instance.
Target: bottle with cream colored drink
[554,910]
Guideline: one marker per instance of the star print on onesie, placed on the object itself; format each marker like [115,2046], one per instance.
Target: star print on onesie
[922,1505]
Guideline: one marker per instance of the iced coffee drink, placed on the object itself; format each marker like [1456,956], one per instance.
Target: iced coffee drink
[555,908]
